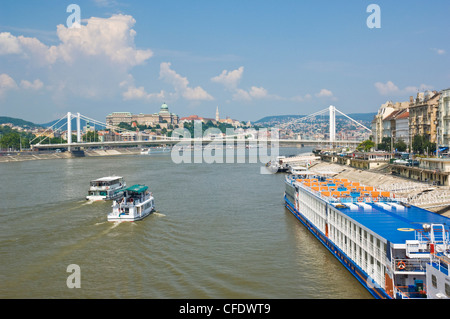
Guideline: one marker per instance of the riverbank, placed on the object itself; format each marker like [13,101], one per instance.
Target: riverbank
[20,157]
[424,195]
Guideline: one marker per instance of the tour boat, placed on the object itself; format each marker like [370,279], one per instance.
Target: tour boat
[106,188]
[136,204]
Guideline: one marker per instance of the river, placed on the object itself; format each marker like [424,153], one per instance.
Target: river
[220,231]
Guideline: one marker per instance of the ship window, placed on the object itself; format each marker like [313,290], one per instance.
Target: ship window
[434,281]
[447,290]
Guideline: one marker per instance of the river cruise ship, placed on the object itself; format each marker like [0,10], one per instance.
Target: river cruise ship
[136,204]
[395,250]
[106,188]
[156,150]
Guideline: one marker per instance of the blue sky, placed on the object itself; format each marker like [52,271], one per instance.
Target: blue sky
[250,58]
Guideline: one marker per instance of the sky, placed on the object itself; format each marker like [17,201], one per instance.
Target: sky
[249,58]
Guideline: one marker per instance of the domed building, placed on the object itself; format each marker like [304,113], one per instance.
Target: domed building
[163,118]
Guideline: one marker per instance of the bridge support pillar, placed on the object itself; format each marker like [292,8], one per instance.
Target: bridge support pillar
[332,125]
[69,131]
[78,129]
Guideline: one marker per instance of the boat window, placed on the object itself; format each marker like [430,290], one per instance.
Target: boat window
[434,281]
[447,290]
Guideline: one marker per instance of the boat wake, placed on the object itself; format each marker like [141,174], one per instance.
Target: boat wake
[158,214]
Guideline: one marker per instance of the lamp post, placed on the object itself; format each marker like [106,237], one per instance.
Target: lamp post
[392,140]
[437,141]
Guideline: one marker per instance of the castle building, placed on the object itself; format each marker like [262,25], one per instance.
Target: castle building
[163,118]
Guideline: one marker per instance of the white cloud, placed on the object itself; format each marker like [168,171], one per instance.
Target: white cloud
[109,38]
[389,88]
[386,88]
[229,79]
[181,84]
[439,51]
[6,83]
[89,61]
[254,93]
[9,44]
[139,93]
[324,93]
[112,38]
[35,85]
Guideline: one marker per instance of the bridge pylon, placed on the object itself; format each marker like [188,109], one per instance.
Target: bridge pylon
[332,125]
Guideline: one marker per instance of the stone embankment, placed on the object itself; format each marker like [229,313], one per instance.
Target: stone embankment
[432,197]
[24,156]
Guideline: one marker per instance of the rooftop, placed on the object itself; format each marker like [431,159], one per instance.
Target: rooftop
[394,225]
[137,188]
[107,179]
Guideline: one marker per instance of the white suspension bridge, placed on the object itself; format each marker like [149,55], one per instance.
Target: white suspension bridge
[143,139]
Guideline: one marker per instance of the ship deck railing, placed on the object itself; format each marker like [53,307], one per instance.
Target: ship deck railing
[441,263]
[410,292]
[410,266]
[353,199]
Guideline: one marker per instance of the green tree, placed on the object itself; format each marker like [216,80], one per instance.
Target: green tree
[91,136]
[385,144]
[421,144]
[366,146]
[400,146]
[10,140]
[15,140]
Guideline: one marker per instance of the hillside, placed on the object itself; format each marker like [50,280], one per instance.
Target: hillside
[18,122]
[364,117]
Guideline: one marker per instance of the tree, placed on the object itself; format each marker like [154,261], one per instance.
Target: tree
[422,144]
[366,146]
[385,144]
[10,140]
[400,146]
[13,139]
[91,137]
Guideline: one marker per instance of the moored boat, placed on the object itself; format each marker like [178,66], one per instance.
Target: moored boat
[136,204]
[396,251]
[106,188]
[156,150]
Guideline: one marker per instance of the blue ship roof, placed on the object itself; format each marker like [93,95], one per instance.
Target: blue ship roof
[396,226]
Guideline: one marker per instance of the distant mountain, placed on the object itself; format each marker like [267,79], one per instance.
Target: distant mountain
[365,117]
[18,122]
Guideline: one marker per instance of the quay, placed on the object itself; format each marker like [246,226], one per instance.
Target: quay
[46,155]
[421,169]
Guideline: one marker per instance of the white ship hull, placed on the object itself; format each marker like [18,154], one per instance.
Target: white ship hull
[106,188]
[136,204]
